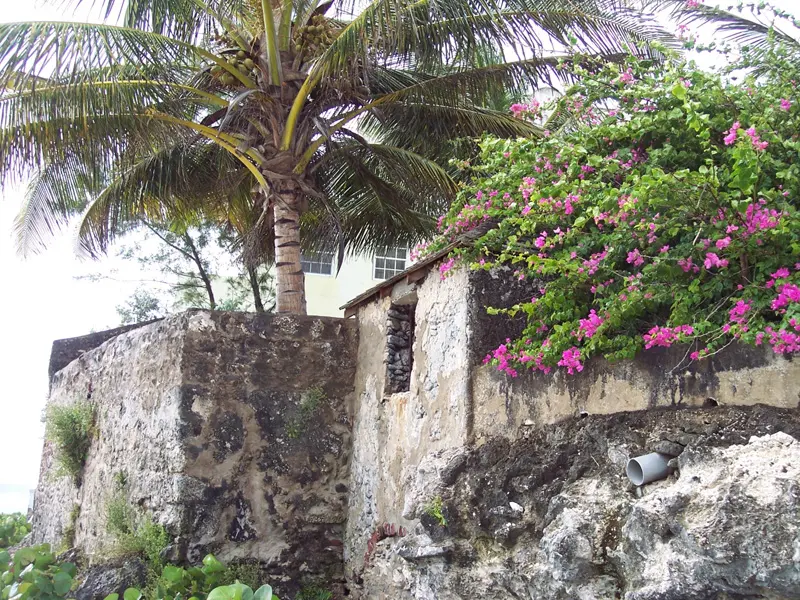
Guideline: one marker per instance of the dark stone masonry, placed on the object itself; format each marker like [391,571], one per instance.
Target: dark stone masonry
[399,342]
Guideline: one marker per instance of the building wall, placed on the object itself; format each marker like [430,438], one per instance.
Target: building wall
[208,415]
[326,293]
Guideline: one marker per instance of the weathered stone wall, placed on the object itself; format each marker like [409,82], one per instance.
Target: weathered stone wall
[233,431]
[135,384]
[530,471]
[396,435]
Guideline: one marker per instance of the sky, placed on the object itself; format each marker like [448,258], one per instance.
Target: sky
[40,301]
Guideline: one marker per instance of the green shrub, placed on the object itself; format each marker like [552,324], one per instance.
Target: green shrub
[210,581]
[13,528]
[33,574]
[119,516]
[134,532]
[246,573]
[666,211]
[71,429]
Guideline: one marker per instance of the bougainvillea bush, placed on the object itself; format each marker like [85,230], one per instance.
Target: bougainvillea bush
[664,211]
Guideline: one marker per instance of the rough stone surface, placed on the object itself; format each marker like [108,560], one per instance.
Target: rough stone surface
[727,526]
[399,328]
[100,580]
[394,433]
[233,431]
[66,350]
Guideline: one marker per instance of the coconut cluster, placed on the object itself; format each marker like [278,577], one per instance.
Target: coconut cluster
[241,61]
[315,37]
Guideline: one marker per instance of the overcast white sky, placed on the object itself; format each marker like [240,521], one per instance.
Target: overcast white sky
[40,300]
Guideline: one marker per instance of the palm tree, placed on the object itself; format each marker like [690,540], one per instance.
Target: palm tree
[263,112]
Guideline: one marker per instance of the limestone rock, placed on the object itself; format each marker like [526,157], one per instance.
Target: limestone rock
[727,527]
[730,524]
[102,580]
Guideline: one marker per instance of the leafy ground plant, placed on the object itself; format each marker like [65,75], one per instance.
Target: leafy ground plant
[33,574]
[13,527]
[664,210]
[309,403]
[71,429]
[202,583]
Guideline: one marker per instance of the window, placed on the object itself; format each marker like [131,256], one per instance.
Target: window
[389,261]
[317,263]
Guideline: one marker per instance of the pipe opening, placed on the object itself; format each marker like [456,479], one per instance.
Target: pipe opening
[634,471]
[648,467]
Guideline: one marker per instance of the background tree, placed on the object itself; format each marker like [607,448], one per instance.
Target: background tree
[196,267]
[246,112]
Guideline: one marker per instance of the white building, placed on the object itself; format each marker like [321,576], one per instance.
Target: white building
[326,291]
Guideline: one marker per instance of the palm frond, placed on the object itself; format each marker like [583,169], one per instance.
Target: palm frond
[429,32]
[383,196]
[428,128]
[176,183]
[55,193]
[72,51]
[750,25]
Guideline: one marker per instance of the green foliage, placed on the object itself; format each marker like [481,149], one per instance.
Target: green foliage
[143,305]
[177,138]
[309,403]
[314,592]
[13,527]
[142,536]
[71,429]
[210,581]
[665,210]
[435,509]
[33,574]
[246,573]
[135,533]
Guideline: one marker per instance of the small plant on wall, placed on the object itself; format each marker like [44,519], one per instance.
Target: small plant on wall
[135,533]
[71,429]
[309,403]
[435,510]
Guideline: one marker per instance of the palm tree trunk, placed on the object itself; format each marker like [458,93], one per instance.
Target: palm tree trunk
[291,297]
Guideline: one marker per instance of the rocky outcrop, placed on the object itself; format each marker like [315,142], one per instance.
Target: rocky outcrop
[553,516]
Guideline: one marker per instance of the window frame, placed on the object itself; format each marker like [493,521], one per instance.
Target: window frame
[383,254]
[311,258]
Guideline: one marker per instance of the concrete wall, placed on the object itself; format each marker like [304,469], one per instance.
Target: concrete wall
[401,439]
[204,413]
[409,447]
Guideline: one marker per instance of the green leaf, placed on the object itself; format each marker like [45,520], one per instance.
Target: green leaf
[132,594]
[173,574]
[62,583]
[112,597]
[235,591]
[679,90]
[211,565]
[263,593]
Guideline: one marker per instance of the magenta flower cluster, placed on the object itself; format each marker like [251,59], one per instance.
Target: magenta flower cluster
[666,336]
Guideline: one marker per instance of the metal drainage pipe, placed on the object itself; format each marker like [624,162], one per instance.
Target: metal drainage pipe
[648,467]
